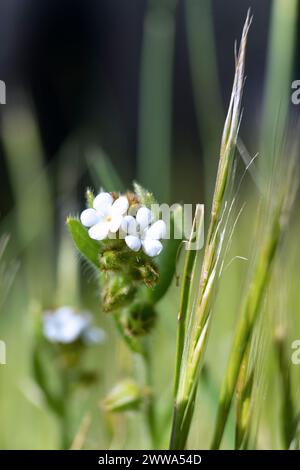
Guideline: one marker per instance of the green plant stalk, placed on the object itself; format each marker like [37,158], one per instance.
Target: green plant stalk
[58,403]
[206,89]
[199,318]
[250,386]
[102,170]
[150,406]
[140,351]
[295,443]
[185,295]
[154,146]
[134,345]
[144,376]
[67,273]
[281,52]
[249,313]
[7,271]
[288,411]
[243,398]
[34,211]
[185,399]
[228,146]
[53,400]
[64,418]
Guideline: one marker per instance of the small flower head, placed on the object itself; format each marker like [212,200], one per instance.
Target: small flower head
[124,263]
[65,326]
[108,215]
[105,216]
[143,233]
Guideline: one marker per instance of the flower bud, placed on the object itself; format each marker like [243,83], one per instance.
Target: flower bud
[140,318]
[89,195]
[127,395]
[117,291]
[147,273]
[113,260]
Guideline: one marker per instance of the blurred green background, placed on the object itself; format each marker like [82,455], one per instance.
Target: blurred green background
[102,93]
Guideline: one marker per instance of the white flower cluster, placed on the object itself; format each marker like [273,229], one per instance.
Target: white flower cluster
[64,325]
[109,216]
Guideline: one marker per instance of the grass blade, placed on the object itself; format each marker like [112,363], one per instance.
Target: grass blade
[199,315]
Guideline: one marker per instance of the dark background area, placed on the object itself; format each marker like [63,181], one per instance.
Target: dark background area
[79,62]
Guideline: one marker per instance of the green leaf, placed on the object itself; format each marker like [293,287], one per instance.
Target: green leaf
[86,246]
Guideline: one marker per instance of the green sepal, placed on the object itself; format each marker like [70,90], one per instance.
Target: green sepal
[145,197]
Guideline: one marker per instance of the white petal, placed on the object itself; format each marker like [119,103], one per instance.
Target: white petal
[64,325]
[128,225]
[89,217]
[120,205]
[103,202]
[115,223]
[152,247]
[99,231]
[157,230]
[144,217]
[134,243]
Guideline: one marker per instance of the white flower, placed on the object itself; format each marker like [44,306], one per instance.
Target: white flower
[64,325]
[106,215]
[140,232]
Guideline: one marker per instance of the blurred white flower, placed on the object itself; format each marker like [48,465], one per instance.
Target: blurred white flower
[93,335]
[106,215]
[64,325]
[140,232]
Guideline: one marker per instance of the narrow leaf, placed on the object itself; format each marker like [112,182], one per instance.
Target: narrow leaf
[86,246]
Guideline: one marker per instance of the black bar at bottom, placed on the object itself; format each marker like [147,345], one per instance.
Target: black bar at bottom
[132,459]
